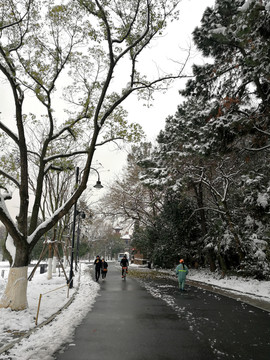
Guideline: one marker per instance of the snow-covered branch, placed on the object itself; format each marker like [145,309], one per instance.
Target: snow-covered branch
[258,149]
[206,208]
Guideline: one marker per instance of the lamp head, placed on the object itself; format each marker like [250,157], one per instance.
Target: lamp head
[98,185]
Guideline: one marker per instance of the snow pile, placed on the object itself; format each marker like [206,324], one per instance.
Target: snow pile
[245,285]
[42,343]
[262,200]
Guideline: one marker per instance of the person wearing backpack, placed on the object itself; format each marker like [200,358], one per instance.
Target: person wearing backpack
[181,271]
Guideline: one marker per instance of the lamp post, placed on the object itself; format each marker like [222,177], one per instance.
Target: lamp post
[97,186]
[81,215]
[70,281]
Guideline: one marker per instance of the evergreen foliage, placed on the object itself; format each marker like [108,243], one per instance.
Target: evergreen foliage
[213,153]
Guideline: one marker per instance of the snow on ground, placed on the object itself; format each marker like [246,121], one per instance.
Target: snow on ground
[245,285]
[248,286]
[42,343]
[45,341]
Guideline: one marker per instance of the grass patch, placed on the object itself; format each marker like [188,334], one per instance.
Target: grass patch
[147,274]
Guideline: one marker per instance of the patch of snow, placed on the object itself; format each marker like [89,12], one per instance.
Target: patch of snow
[260,255]
[262,200]
[11,247]
[245,285]
[219,30]
[246,5]
[249,221]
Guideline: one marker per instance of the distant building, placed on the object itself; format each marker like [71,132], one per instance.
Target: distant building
[117,229]
[126,239]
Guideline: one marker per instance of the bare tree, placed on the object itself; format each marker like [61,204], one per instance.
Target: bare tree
[127,199]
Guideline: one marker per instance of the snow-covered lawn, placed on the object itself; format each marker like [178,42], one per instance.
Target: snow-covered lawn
[44,341]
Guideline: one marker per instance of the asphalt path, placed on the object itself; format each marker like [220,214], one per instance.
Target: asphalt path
[149,318]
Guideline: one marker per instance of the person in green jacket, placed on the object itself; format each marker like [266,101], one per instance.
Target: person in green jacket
[181,271]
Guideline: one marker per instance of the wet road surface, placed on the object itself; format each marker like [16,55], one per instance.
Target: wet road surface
[146,318]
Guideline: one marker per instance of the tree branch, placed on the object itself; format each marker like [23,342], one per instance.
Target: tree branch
[11,178]
[11,134]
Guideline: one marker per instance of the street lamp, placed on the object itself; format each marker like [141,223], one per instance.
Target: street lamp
[97,186]
[98,183]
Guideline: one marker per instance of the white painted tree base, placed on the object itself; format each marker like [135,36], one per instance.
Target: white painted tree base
[54,264]
[15,295]
[65,261]
[49,272]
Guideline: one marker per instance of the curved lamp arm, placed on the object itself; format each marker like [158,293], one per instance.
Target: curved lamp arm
[98,183]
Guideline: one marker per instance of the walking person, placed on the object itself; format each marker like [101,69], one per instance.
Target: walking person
[104,268]
[97,264]
[181,271]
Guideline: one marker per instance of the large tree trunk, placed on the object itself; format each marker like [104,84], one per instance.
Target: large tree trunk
[15,295]
[211,259]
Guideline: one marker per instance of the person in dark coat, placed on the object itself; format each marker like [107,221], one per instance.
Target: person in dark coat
[181,271]
[97,264]
[104,268]
[124,263]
